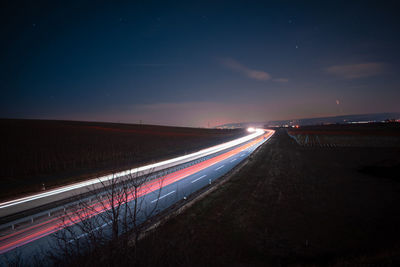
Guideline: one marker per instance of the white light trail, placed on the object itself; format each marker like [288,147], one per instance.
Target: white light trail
[151,167]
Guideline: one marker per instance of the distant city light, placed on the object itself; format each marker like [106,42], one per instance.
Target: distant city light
[251,129]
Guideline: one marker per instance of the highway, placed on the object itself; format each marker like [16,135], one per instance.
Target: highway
[30,236]
[50,196]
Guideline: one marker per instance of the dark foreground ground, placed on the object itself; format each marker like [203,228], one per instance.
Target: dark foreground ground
[37,152]
[291,205]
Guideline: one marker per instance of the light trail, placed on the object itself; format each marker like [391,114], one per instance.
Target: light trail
[32,233]
[156,166]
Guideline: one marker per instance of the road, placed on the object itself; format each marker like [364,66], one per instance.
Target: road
[26,239]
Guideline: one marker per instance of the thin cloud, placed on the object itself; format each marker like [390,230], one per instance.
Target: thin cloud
[281,80]
[356,71]
[250,73]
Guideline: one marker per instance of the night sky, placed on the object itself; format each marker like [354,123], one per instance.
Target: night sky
[193,63]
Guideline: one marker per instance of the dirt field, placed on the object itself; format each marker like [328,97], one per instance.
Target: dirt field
[348,135]
[35,152]
[291,205]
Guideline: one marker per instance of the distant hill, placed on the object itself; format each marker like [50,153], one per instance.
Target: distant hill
[357,118]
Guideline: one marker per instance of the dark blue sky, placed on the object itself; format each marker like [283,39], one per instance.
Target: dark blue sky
[188,63]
